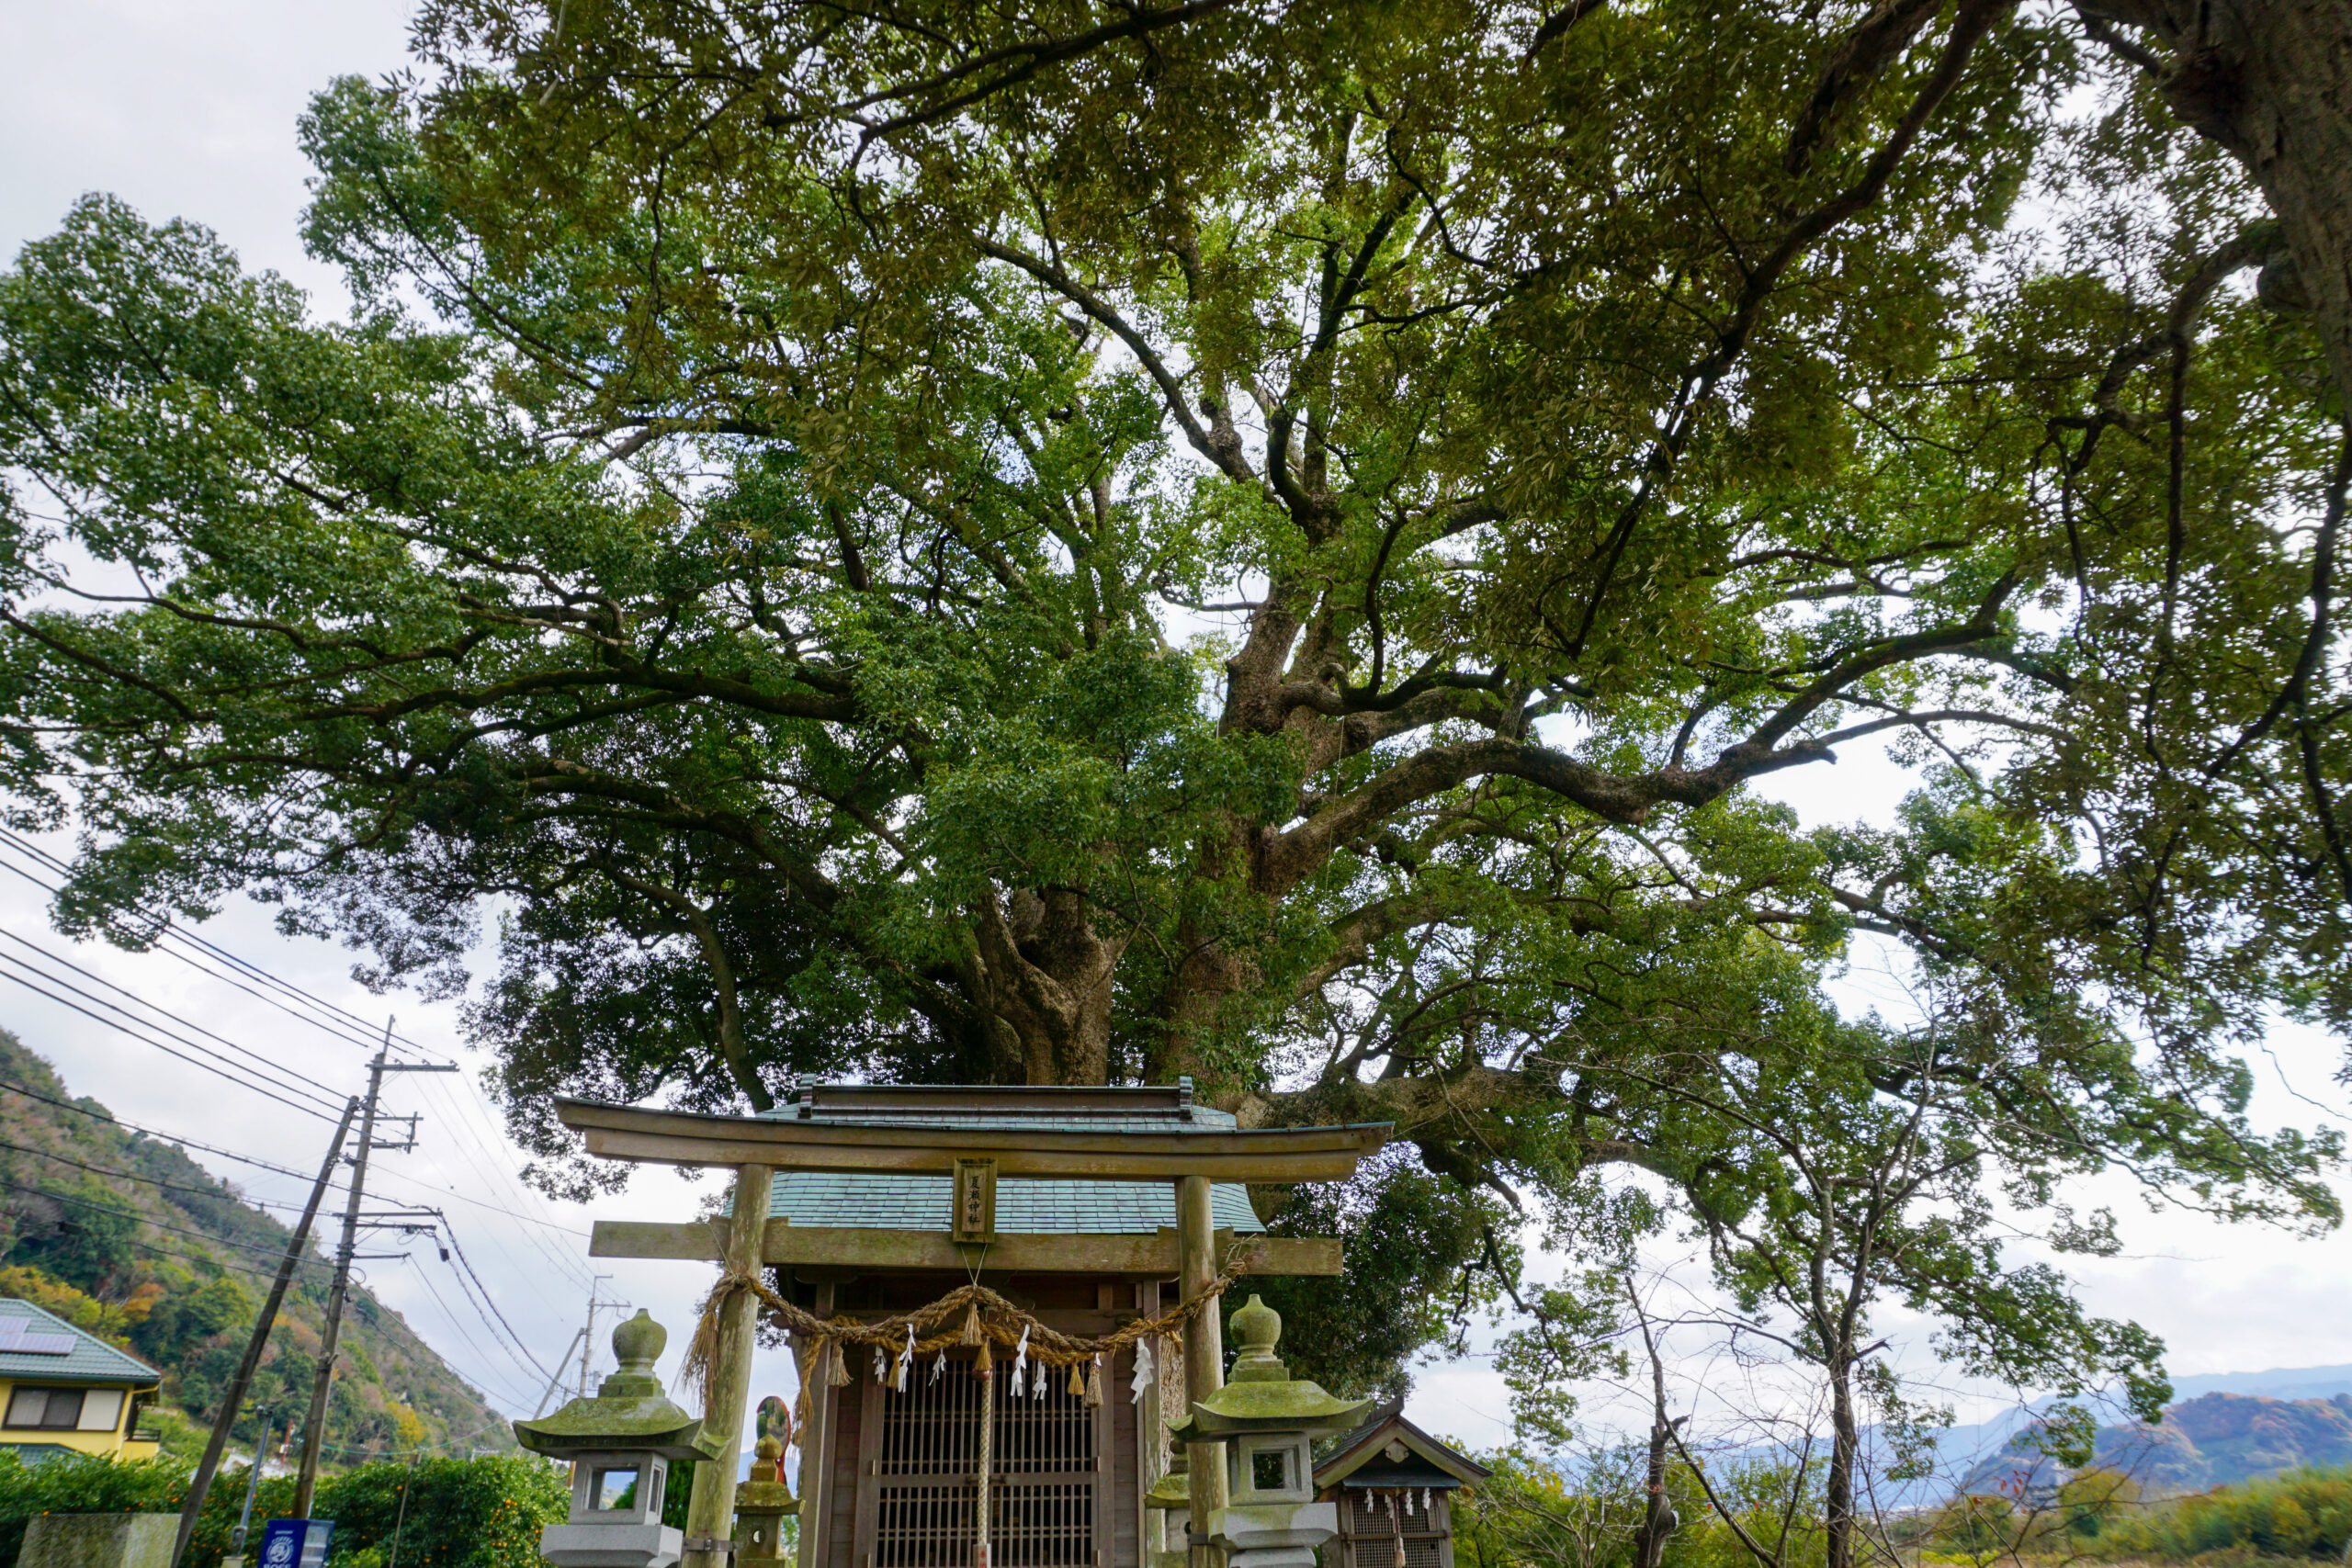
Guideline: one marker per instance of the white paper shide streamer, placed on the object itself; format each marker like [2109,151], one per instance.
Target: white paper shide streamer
[1146,1375]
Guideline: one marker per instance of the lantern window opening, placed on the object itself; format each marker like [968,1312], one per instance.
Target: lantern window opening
[614,1488]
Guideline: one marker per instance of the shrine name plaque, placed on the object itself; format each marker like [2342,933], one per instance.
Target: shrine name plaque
[975,1199]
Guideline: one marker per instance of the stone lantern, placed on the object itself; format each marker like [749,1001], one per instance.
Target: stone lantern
[1268,1421]
[620,1445]
[760,1505]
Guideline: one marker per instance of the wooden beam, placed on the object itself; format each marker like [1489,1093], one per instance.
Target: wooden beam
[1154,1256]
[1203,1361]
[710,1508]
[1266,1155]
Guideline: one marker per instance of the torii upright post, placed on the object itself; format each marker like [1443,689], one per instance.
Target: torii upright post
[1203,1354]
[710,1508]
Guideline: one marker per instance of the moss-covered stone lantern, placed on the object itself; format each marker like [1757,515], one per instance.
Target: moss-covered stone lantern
[1268,1421]
[620,1445]
[762,1505]
[1171,1495]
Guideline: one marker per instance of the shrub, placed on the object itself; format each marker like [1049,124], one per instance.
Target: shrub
[2305,1513]
[462,1512]
[83,1483]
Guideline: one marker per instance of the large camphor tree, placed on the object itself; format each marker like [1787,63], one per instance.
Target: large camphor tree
[1272,542]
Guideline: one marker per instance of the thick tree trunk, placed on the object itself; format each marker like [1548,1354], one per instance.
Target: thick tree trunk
[2271,81]
[1049,976]
[1203,975]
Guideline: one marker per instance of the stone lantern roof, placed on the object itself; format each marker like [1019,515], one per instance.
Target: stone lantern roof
[1263,1396]
[628,1413]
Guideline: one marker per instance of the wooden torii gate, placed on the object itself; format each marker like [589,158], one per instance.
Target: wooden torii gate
[757,1147]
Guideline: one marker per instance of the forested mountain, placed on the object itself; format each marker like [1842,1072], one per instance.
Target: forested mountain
[126,1236]
[2225,1437]
[2215,1439]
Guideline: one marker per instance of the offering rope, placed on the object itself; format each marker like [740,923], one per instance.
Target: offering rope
[988,1320]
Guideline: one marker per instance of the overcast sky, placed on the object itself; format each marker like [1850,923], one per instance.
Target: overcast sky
[187,108]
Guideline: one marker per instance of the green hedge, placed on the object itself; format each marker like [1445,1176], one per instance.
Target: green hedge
[462,1512]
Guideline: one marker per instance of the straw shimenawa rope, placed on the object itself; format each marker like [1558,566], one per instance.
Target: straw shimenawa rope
[987,1319]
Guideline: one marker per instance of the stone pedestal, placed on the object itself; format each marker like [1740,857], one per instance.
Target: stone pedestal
[603,1545]
[99,1540]
[1276,1535]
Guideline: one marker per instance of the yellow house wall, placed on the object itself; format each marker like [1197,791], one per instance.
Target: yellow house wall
[117,1442]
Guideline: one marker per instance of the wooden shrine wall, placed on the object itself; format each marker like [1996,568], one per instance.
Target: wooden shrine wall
[1065,1486]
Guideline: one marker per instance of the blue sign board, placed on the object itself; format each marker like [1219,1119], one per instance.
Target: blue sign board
[295,1543]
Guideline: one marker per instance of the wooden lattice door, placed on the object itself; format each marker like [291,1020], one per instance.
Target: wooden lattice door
[1406,1528]
[1048,1505]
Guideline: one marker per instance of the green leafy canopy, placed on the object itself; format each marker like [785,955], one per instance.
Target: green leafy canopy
[1262,541]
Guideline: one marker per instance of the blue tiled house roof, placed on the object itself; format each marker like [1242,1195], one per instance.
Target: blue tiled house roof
[90,1360]
[883,1201]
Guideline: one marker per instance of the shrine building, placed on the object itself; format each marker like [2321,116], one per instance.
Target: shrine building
[1087,1209]
[1395,1486]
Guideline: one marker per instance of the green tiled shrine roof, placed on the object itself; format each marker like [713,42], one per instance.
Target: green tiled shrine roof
[90,1360]
[946,1108]
[1023,1207]
[877,1200]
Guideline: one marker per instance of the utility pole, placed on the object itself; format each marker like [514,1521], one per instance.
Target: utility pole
[253,1484]
[258,1341]
[588,1334]
[556,1381]
[314,1429]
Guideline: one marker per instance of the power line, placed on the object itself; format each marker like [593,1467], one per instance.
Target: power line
[330,1019]
[150,1180]
[139,1218]
[466,1263]
[487,1314]
[326,1016]
[305,1262]
[231,1264]
[58,959]
[313,1261]
[480,1203]
[462,1124]
[113,1120]
[425,1279]
[149,1040]
[341,1024]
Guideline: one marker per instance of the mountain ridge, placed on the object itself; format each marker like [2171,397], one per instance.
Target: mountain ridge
[2219,1437]
[124,1235]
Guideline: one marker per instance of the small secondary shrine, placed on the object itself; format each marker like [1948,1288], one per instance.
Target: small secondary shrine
[1000,1299]
[1394,1486]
